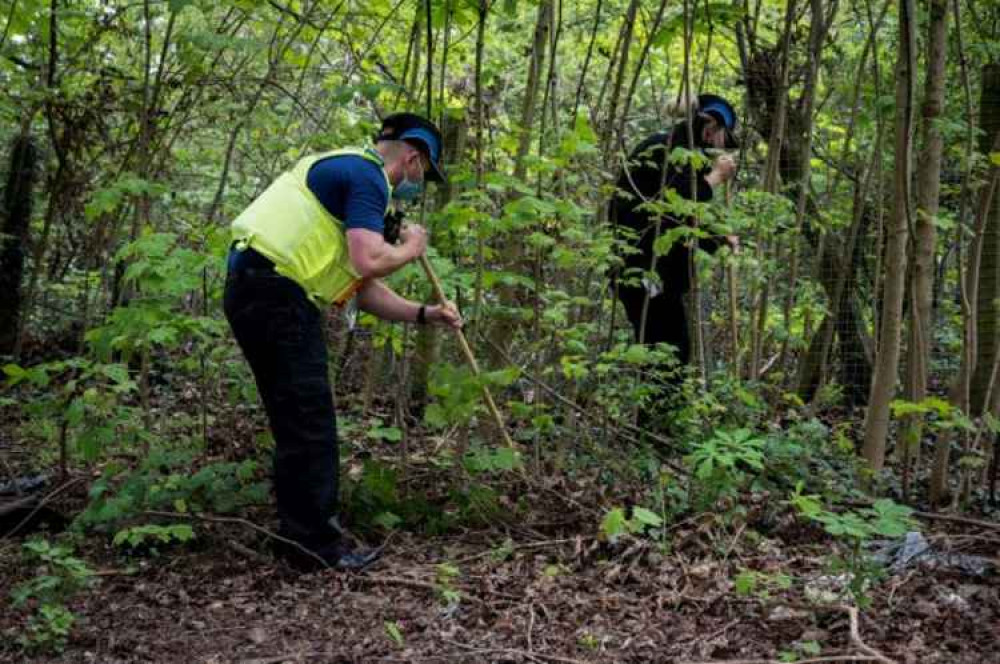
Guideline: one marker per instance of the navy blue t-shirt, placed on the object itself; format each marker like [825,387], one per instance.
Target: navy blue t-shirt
[352,189]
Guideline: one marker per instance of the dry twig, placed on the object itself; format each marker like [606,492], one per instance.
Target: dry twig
[42,503]
[954,518]
[242,522]
[814,660]
[859,643]
[534,656]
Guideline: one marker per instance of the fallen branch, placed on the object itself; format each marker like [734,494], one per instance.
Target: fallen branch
[246,551]
[287,657]
[870,654]
[414,584]
[954,518]
[242,522]
[44,501]
[534,656]
[813,660]
[859,643]
[518,547]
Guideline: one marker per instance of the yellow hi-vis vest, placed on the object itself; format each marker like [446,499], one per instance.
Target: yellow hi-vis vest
[306,243]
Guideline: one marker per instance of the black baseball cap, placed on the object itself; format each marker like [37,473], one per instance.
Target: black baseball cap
[419,132]
[724,114]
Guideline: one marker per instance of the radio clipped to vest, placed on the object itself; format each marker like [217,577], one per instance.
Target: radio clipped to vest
[307,244]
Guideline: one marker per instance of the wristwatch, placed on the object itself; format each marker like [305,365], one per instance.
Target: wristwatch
[422,314]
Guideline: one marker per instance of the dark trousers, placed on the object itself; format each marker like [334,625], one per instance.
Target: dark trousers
[666,320]
[281,334]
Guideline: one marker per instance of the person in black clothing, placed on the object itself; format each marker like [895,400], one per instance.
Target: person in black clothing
[646,177]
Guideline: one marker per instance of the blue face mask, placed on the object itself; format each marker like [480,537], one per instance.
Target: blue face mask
[407,190]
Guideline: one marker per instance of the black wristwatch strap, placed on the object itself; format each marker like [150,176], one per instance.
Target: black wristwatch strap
[422,314]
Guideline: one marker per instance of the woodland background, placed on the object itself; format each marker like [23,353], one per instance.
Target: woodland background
[844,392]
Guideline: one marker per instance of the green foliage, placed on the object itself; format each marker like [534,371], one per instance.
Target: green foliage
[448,592]
[458,393]
[854,527]
[803,649]
[807,451]
[615,524]
[722,463]
[395,633]
[762,585]
[61,576]
[480,459]
[164,481]
[148,535]
[379,432]
[84,399]
[884,517]
[162,272]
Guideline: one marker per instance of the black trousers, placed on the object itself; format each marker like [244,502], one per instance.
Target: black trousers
[666,320]
[281,334]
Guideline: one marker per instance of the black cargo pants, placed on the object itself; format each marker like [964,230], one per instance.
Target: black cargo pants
[281,334]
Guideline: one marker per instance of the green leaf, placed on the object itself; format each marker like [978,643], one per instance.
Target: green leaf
[392,629]
[810,648]
[15,374]
[75,412]
[647,517]
[388,520]
[614,525]
[745,583]
[636,354]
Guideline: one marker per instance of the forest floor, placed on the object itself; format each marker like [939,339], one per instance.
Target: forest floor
[539,588]
[536,592]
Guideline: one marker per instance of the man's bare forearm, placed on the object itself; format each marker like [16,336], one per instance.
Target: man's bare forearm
[373,257]
[379,300]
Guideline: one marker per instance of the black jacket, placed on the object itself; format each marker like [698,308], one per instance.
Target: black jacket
[645,175]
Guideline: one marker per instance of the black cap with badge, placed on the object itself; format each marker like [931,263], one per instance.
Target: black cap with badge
[419,132]
[724,114]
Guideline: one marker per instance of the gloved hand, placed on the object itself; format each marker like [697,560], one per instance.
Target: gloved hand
[391,226]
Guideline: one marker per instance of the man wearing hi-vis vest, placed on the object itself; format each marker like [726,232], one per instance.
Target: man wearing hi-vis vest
[313,239]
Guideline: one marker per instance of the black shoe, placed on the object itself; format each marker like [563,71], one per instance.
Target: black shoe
[358,559]
[332,556]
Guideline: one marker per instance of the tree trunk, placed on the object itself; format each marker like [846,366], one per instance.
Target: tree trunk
[477,298]
[619,79]
[501,332]
[928,180]
[817,37]
[843,321]
[887,359]
[542,28]
[775,111]
[17,199]
[987,324]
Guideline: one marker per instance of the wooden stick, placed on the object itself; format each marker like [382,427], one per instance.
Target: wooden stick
[467,351]
[859,643]
[734,312]
[243,522]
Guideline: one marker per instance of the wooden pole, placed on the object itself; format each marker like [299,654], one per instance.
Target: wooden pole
[467,351]
[734,312]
